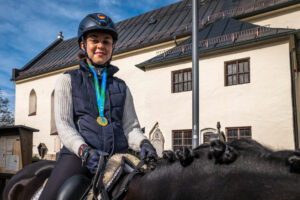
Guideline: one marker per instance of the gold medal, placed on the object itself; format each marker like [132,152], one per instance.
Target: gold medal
[102,121]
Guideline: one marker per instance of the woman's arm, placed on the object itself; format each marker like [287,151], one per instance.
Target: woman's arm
[63,110]
[131,125]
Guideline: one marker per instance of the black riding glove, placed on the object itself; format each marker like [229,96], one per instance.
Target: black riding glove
[90,157]
[148,152]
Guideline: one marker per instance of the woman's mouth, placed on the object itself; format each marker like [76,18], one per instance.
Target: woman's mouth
[100,53]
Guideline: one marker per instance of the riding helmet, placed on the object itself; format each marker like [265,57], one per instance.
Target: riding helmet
[94,22]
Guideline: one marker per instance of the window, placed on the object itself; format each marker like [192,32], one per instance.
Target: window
[182,80]
[53,130]
[182,138]
[238,133]
[237,72]
[32,103]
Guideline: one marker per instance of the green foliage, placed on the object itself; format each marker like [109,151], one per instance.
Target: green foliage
[6,117]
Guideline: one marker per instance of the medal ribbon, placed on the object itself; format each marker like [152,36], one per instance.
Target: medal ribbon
[100,96]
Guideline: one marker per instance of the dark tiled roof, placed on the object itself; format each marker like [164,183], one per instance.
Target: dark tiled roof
[150,28]
[60,54]
[222,33]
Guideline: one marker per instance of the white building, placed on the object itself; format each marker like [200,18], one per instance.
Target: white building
[249,57]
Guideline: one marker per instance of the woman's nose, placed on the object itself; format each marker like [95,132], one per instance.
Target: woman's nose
[100,45]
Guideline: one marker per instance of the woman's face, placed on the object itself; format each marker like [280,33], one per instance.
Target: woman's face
[99,47]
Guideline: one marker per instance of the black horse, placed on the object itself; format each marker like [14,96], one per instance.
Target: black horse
[241,169]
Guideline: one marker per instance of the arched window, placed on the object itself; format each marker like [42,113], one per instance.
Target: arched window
[52,121]
[32,103]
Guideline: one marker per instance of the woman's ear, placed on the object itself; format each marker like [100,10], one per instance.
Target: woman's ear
[82,46]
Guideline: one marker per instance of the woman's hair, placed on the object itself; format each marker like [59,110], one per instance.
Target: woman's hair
[81,56]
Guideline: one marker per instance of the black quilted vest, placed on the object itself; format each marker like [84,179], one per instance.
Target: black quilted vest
[111,138]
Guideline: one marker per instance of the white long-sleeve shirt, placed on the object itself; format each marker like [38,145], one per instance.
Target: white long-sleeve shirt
[70,137]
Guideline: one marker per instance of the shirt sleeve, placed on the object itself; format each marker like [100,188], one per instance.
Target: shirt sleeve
[131,125]
[63,112]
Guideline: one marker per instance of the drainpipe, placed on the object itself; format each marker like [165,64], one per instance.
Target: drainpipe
[294,100]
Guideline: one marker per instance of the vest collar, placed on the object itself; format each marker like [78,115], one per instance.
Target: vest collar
[111,69]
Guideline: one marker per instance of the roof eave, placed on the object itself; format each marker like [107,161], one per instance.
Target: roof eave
[267,9]
[153,43]
[48,71]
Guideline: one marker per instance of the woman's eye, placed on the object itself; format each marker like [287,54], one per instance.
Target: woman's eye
[107,42]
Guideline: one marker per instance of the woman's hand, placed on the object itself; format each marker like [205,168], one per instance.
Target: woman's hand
[148,152]
[90,158]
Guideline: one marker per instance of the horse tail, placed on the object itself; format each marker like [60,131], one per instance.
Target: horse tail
[28,180]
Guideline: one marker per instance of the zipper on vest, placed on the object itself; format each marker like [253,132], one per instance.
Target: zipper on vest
[78,124]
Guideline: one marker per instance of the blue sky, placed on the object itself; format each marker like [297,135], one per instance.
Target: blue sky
[29,26]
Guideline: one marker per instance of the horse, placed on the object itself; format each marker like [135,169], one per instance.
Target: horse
[240,169]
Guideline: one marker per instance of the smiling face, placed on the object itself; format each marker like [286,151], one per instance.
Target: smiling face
[99,47]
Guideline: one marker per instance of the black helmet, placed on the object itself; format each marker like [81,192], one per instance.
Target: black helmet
[97,21]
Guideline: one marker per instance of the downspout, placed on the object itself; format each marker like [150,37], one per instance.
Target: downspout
[293,68]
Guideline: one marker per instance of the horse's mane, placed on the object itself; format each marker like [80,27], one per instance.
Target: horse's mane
[241,165]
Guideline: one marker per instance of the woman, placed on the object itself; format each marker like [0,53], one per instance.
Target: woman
[94,110]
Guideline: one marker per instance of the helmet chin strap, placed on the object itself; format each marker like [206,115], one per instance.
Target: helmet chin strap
[90,60]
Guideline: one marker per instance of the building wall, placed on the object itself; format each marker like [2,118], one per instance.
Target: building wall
[264,104]
[283,18]
[41,121]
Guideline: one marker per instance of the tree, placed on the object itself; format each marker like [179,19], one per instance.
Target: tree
[6,117]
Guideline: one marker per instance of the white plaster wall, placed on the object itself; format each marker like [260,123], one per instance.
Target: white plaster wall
[288,18]
[264,104]
[136,79]
[41,121]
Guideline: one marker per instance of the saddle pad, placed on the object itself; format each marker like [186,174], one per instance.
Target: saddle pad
[113,164]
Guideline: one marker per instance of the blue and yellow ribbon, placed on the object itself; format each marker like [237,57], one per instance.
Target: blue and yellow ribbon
[100,95]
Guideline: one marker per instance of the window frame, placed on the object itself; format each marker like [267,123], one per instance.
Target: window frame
[237,71]
[183,131]
[227,129]
[181,71]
